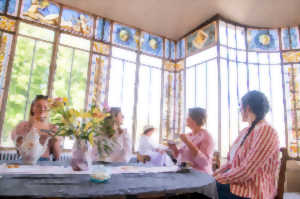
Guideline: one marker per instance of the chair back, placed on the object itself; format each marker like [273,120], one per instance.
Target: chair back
[216,161]
[143,158]
[282,170]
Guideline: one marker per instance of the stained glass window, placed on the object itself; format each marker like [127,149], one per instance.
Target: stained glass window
[173,50]
[107,29]
[101,48]
[7,24]
[292,56]
[41,11]
[152,44]
[180,49]
[202,38]
[290,38]
[103,29]
[263,39]
[292,80]
[2,5]
[98,80]
[168,130]
[13,7]
[99,29]
[167,48]
[5,46]
[125,36]
[77,22]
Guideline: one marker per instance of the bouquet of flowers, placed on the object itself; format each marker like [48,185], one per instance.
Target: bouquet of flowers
[94,126]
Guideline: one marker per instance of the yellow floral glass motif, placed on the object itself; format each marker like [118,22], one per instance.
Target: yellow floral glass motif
[179,66]
[101,48]
[291,56]
[41,11]
[7,24]
[169,66]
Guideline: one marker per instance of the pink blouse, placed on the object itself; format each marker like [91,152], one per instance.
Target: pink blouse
[203,160]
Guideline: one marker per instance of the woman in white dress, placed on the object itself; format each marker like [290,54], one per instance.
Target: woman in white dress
[121,149]
[157,156]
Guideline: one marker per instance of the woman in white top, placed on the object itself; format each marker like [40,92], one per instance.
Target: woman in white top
[158,157]
[121,149]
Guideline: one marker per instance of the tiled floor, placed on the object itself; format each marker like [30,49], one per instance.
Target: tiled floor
[291,196]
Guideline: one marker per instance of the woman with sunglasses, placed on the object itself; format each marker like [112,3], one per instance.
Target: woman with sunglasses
[252,165]
[38,119]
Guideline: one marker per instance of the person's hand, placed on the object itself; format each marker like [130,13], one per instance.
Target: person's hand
[184,138]
[160,151]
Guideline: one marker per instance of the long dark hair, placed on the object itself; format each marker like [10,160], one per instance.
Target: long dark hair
[114,111]
[198,115]
[258,104]
[37,98]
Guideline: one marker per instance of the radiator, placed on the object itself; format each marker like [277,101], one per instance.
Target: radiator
[12,155]
[9,155]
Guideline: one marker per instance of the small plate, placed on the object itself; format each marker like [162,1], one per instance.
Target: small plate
[98,181]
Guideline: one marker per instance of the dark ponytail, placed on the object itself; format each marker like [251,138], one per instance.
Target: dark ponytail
[258,104]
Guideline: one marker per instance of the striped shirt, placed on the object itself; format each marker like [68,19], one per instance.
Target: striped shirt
[254,167]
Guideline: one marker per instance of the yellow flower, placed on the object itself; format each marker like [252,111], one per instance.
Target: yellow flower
[87,126]
[84,114]
[65,99]
[91,139]
[74,113]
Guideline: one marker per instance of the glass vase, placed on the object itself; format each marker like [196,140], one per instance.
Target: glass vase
[81,155]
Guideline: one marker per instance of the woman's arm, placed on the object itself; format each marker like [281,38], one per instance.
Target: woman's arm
[56,147]
[201,158]
[192,147]
[174,149]
[126,146]
[264,145]
[55,143]
[20,130]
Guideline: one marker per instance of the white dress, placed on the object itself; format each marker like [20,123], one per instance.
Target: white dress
[121,151]
[146,147]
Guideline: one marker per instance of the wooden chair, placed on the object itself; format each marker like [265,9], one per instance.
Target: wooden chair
[216,161]
[282,172]
[143,158]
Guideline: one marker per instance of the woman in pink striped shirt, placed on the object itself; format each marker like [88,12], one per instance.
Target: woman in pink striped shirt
[199,145]
[251,169]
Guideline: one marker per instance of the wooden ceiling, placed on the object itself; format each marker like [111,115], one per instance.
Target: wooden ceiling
[175,18]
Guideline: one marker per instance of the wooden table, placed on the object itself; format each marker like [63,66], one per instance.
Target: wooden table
[128,185]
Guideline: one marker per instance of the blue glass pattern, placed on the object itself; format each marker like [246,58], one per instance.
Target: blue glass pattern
[2,5]
[173,50]
[152,44]
[77,22]
[285,38]
[180,49]
[13,7]
[107,29]
[99,25]
[201,38]
[47,12]
[125,36]
[167,49]
[263,39]
[294,34]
